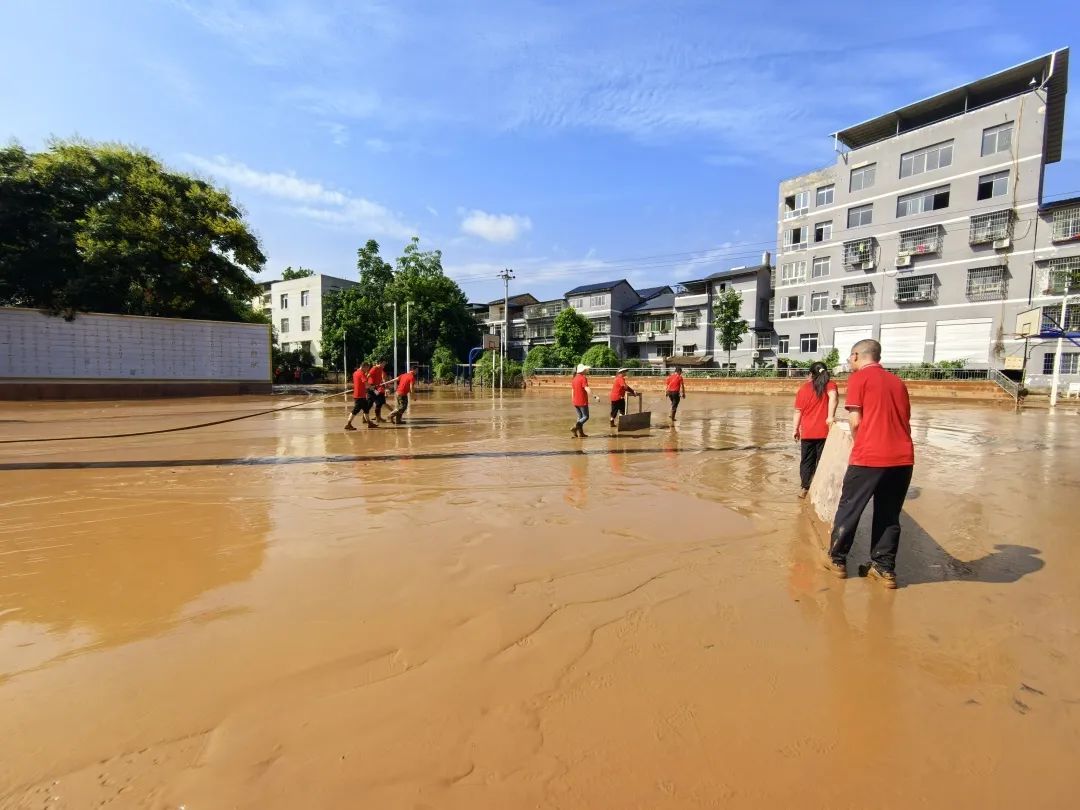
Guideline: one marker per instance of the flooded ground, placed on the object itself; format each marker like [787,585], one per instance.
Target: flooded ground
[477,611]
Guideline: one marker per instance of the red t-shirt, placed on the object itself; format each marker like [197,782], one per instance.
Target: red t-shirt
[814,410]
[405,384]
[579,384]
[376,377]
[619,388]
[884,436]
[674,383]
[359,384]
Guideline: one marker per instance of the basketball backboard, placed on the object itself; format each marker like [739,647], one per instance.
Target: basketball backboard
[1029,322]
[491,342]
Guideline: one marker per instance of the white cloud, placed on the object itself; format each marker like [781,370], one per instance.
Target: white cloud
[377,145]
[313,200]
[339,133]
[431,210]
[495,227]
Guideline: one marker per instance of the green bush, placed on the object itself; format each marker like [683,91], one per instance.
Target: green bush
[633,362]
[443,365]
[512,373]
[601,356]
[541,357]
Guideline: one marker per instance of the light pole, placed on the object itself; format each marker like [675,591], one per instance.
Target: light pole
[408,364]
[394,305]
[505,275]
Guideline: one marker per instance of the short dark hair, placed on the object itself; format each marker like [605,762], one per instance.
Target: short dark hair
[678,369]
[868,346]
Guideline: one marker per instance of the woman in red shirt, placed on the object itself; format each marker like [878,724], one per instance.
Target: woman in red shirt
[815,411]
[580,393]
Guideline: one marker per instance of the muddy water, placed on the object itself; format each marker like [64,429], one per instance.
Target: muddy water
[477,611]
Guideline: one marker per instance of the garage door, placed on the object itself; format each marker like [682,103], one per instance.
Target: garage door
[902,344]
[844,337]
[963,340]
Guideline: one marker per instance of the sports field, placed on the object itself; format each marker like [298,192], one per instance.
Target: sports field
[475,610]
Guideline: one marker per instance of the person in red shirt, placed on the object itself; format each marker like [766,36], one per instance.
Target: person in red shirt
[580,393]
[361,402]
[880,466]
[815,411]
[676,390]
[405,386]
[377,387]
[620,389]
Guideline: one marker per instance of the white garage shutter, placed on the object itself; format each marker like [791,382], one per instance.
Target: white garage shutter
[967,340]
[844,337]
[902,344]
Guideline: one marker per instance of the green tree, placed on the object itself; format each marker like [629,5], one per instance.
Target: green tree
[512,373]
[573,335]
[832,359]
[107,228]
[288,274]
[542,357]
[729,323]
[443,364]
[600,356]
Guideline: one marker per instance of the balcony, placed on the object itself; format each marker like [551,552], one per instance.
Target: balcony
[916,290]
[857,298]
[691,300]
[1061,276]
[859,254]
[993,227]
[919,241]
[535,312]
[689,323]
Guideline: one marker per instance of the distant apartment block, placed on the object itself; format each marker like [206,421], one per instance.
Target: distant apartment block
[929,232]
[295,310]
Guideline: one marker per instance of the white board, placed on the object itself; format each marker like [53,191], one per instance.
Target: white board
[844,337]
[967,340]
[903,344]
[34,345]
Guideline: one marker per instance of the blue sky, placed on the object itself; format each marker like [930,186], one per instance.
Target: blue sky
[569,141]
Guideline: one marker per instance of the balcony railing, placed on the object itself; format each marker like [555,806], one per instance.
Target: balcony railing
[1066,224]
[538,311]
[859,254]
[920,240]
[1061,275]
[990,227]
[916,290]
[689,324]
[857,299]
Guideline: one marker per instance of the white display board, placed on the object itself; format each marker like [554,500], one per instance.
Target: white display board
[34,345]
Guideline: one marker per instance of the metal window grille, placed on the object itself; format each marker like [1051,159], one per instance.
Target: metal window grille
[990,227]
[921,240]
[772,309]
[857,297]
[1052,317]
[1062,275]
[1067,224]
[987,284]
[859,251]
[915,289]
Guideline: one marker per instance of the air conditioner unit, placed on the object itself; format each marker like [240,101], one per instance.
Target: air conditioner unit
[869,265]
[1001,244]
[836,303]
[903,260]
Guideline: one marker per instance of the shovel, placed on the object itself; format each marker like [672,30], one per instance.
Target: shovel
[634,421]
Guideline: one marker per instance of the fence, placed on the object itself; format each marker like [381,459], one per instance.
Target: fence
[905,373]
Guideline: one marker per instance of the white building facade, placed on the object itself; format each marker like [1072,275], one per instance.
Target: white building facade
[295,309]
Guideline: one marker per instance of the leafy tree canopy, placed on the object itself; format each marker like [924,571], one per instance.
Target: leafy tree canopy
[542,357]
[573,335]
[107,228]
[288,274]
[600,356]
[729,323]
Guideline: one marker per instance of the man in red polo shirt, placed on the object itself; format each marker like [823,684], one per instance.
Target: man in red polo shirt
[880,465]
[405,386]
[676,390]
[620,389]
[360,396]
[377,388]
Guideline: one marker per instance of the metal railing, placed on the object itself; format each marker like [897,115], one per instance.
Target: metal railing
[920,372]
[859,252]
[990,227]
[1011,387]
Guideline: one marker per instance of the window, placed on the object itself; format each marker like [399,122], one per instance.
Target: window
[862,178]
[819,302]
[1066,224]
[859,252]
[921,240]
[822,267]
[1052,317]
[808,342]
[1070,363]
[987,284]
[918,202]
[791,306]
[823,231]
[305,345]
[689,320]
[664,349]
[782,344]
[284,301]
[795,205]
[997,139]
[542,330]
[597,300]
[915,289]
[689,350]
[517,332]
[284,325]
[990,227]
[305,323]
[772,310]
[860,215]
[824,196]
[577,303]
[285,347]
[933,157]
[993,185]
[305,296]
[796,238]
[857,297]
[792,273]
[601,326]
[1062,275]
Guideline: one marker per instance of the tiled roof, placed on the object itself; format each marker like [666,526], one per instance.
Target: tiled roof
[652,292]
[737,271]
[516,300]
[664,301]
[600,287]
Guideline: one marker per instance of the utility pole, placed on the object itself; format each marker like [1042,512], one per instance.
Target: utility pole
[395,338]
[408,364]
[505,275]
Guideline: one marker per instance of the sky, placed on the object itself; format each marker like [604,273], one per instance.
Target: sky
[569,141]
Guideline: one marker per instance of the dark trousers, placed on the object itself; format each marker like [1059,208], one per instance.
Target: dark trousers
[888,487]
[811,455]
[675,399]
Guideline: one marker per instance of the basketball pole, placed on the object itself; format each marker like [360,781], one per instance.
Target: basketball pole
[1056,380]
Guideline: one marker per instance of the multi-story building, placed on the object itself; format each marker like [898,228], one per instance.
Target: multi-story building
[517,341]
[753,286]
[604,305]
[926,232]
[295,309]
[540,321]
[650,329]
